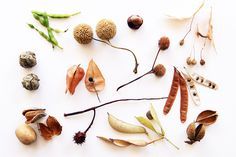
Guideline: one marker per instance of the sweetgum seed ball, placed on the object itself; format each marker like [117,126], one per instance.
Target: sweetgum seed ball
[83,34]
[106,29]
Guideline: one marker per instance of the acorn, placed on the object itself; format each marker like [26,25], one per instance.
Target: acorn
[159,70]
[164,43]
[83,34]
[106,29]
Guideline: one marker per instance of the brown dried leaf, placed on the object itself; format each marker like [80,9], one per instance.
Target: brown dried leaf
[126,143]
[74,75]
[94,80]
[46,133]
[54,125]
[207,117]
[32,115]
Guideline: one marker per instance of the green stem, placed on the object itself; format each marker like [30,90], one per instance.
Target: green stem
[57,16]
[171,143]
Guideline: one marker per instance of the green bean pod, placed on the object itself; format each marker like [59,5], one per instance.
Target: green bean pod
[57,16]
[52,38]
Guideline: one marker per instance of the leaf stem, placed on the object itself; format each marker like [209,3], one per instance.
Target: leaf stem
[171,143]
[91,123]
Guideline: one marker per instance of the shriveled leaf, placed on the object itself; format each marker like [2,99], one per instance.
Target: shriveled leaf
[207,117]
[46,133]
[94,80]
[54,125]
[126,143]
[74,75]
[155,117]
[184,9]
[146,122]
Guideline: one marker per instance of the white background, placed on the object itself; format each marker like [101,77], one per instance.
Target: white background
[116,66]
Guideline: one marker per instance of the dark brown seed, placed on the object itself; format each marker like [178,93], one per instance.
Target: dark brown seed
[134,22]
[202,62]
[149,115]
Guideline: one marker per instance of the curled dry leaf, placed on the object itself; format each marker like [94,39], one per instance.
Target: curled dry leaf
[207,117]
[32,115]
[126,143]
[52,128]
[94,79]
[46,133]
[54,125]
[74,75]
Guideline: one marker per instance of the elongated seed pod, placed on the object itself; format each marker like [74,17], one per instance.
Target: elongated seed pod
[173,92]
[183,98]
[192,89]
[203,81]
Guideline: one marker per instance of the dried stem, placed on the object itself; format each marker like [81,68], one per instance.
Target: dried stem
[91,123]
[149,72]
[111,102]
[204,45]
[121,48]
[171,143]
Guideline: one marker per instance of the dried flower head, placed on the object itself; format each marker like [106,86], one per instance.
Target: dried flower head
[159,70]
[27,59]
[31,82]
[164,43]
[79,137]
[106,29]
[83,34]
[32,115]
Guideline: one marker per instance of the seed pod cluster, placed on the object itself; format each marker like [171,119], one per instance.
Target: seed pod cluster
[196,133]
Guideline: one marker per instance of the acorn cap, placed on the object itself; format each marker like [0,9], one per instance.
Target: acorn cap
[106,29]
[83,33]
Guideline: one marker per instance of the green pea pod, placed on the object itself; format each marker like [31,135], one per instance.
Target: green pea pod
[52,38]
[41,19]
[58,16]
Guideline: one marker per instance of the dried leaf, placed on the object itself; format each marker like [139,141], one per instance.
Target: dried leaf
[207,117]
[192,89]
[126,143]
[32,115]
[155,117]
[146,122]
[74,75]
[94,80]
[180,13]
[46,133]
[54,125]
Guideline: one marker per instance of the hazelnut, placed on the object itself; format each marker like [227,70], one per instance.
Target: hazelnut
[83,34]
[159,70]
[164,43]
[25,134]
[106,29]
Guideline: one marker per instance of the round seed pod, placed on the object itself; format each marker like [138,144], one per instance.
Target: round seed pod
[194,62]
[30,82]
[135,21]
[83,33]
[164,43]
[106,29]
[189,61]
[25,134]
[202,62]
[159,70]
[27,59]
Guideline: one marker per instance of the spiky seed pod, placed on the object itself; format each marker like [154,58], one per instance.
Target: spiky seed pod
[83,33]
[79,137]
[106,29]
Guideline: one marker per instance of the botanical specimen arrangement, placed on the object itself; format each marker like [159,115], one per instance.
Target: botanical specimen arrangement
[95,82]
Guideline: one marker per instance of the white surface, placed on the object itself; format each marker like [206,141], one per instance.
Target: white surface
[117,66]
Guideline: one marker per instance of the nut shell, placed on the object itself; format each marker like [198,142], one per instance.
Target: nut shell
[106,29]
[25,134]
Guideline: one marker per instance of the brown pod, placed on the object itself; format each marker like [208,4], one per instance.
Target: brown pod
[173,92]
[183,98]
